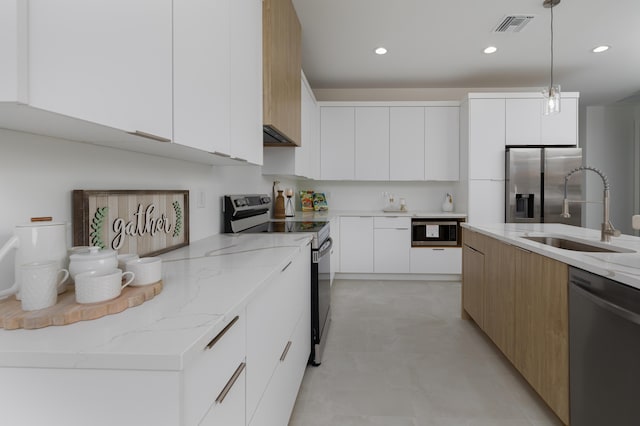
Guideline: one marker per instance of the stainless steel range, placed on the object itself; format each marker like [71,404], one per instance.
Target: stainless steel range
[249,213]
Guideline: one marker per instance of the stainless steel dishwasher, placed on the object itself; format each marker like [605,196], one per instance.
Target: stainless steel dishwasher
[604,351]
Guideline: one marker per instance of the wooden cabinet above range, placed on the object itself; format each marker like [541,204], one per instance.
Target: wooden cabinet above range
[282,63]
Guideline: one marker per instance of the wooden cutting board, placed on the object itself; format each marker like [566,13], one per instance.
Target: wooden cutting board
[68,311]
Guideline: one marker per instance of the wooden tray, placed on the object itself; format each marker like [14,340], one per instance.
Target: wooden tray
[67,311]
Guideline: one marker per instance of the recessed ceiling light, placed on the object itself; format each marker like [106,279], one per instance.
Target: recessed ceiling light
[491,49]
[381,51]
[600,49]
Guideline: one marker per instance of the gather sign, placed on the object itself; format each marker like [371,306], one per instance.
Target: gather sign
[144,222]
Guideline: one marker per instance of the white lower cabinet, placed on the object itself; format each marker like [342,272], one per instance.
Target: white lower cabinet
[356,244]
[277,402]
[231,410]
[278,345]
[391,244]
[212,371]
[335,248]
[436,260]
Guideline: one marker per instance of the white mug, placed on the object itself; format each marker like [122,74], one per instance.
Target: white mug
[99,286]
[39,283]
[148,270]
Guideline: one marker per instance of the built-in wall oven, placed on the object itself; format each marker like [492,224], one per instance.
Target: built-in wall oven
[250,214]
[427,232]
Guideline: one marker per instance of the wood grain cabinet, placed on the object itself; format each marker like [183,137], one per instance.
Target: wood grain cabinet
[282,63]
[542,329]
[519,299]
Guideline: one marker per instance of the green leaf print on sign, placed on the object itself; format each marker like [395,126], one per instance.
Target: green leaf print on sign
[178,227]
[95,236]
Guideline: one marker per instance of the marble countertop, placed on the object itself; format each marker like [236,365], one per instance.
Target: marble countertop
[330,214]
[205,284]
[621,267]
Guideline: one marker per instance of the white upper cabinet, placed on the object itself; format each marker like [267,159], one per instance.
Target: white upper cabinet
[103,62]
[442,143]
[526,125]
[393,141]
[337,143]
[245,80]
[407,143]
[486,138]
[10,15]
[201,74]
[372,143]
[562,128]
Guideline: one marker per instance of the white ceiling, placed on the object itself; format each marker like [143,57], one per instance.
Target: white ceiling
[439,44]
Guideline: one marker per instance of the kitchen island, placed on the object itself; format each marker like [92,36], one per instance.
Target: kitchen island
[156,364]
[516,290]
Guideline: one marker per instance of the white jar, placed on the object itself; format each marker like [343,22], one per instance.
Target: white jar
[94,259]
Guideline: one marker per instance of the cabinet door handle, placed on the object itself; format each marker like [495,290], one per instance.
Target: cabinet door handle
[288,264]
[230,383]
[286,351]
[149,136]
[222,333]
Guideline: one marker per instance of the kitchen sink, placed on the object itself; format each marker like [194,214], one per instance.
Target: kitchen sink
[575,245]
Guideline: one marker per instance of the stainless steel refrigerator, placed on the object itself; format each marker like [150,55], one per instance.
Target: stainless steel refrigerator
[534,184]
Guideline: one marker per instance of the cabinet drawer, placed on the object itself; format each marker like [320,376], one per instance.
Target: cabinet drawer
[436,260]
[277,403]
[212,369]
[271,317]
[229,412]
[395,222]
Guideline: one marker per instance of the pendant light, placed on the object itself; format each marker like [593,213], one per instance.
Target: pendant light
[551,94]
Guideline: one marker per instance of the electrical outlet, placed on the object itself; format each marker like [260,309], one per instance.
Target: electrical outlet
[201,201]
[635,221]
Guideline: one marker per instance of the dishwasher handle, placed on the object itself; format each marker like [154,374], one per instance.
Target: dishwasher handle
[605,304]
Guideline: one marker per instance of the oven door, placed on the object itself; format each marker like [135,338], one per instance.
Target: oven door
[320,300]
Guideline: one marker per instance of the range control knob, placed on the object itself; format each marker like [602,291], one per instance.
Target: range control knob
[241,202]
[265,200]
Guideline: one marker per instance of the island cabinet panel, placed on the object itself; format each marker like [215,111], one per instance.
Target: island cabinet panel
[519,299]
[542,329]
[499,295]
[473,276]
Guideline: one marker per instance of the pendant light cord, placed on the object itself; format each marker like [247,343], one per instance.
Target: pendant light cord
[551,85]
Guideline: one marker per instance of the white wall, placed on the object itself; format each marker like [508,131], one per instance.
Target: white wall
[609,146]
[37,175]
[420,196]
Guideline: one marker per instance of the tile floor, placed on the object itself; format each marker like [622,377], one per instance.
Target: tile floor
[398,354]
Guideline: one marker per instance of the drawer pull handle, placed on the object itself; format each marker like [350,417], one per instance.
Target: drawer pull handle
[230,383]
[438,249]
[286,351]
[285,268]
[222,333]
[149,136]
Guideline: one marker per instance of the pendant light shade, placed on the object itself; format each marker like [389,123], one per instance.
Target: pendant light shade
[551,94]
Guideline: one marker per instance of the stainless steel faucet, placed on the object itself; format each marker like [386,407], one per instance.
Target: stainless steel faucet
[606,230]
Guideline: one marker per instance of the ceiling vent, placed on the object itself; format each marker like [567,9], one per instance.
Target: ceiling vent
[512,23]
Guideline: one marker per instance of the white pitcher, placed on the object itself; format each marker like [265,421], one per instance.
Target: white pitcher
[36,242]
